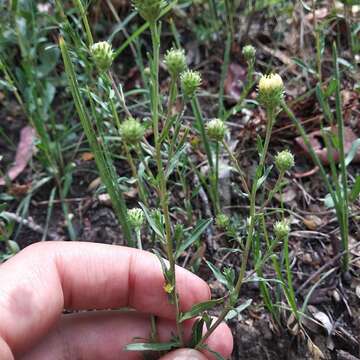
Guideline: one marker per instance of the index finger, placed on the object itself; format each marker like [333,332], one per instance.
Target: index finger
[38,283]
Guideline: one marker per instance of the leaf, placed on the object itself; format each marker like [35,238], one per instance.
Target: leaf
[355,191]
[175,160]
[325,321]
[304,66]
[151,222]
[151,346]
[352,152]
[217,273]
[263,178]
[194,236]
[197,309]
[329,201]
[23,155]
[232,313]
[197,332]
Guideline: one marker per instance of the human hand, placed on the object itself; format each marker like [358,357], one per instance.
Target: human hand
[41,281]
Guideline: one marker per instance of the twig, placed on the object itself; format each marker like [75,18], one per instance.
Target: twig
[28,223]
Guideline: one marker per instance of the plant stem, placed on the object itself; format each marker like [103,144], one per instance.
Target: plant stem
[245,256]
[162,189]
[199,121]
[238,168]
[85,21]
[273,191]
[340,125]
[119,94]
[216,180]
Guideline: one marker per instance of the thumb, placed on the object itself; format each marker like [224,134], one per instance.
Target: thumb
[184,354]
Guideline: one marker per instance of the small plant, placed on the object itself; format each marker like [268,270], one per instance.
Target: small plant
[166,128]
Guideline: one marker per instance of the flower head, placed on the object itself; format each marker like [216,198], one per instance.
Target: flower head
[216,129]
[149,10]
[249,52]
[103,55]
[284,160]
[136,217]
[271,90]
[190,82]
[222,221]
[132,131]
[175,61]
[282,228]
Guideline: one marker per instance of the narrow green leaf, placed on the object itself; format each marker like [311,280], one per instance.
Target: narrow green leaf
[152,223]
[194,236]
[355,191]
[217,273]
[151,346]
[106,169]
[174,161]
[197,309]
[238,309]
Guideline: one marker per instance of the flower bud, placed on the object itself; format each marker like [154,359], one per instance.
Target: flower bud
[271,90]
[175,61]
[103,55]
[216,129]
[222,221]
[136,217]
[190,82]
[132,131]
[284,160]
[249,53]
[149,10]
[147,71]
[282,229]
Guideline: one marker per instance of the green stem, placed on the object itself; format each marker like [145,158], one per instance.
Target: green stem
[162,188]
[252,216]
[273,191]
[85,21]
[216,180]
[340,125]
[199,121]
[224,71]
[238,168]
[119,94]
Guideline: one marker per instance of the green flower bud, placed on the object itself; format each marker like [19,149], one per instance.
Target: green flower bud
[103,55]
[282,229]
[216,129]
[249,52]
[190,82]
[147,71]
[271,90]
[132,131]
[284,160]
[222,221]
[175,61]
[136,217]
[149,10]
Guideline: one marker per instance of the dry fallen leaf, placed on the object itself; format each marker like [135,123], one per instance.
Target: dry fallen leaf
[87,156]
[317,142]
[315,352]
[234,82]
[23,154]
[312,222]
[19,190]
[324,320]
